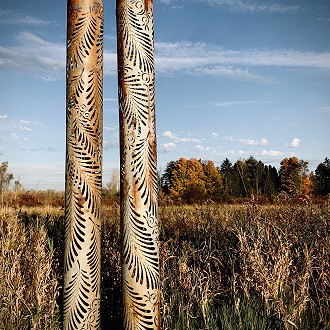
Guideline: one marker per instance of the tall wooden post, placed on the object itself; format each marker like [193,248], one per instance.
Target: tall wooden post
[139,184]
[83,164]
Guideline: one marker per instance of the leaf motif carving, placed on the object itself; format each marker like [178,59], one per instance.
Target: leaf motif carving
[137,40]
[83,165]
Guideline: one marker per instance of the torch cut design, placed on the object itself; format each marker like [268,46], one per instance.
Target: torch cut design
[139,184]
[83,165]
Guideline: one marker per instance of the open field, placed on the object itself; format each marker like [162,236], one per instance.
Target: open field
[222,267]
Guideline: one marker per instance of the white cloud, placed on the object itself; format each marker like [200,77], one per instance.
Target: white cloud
[204,58]
[167,147]
[252,6]
[177,139]
[13,137]
[27,122]
[26,129]
[3,117]
[271,153]
[110,63]
[33,54]
[108,146]
[113,128]
[230,72]
[249,142]
[239,103]
[215,135]
[200,148]
[14,17]
[236,152]
[46,60]
[255,6]
[168,134]
[295,143]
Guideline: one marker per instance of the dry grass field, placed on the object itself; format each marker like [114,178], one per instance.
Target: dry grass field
[222,267]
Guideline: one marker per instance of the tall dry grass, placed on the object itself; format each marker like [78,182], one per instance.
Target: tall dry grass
[245,267]
[29,286]
[222,267]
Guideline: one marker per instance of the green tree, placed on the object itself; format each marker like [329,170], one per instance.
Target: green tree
[271,182]
[226,171]
[322,174]
[167,176]
[257,173]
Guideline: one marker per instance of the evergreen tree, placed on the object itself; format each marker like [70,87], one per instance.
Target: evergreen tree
[166,178]
[271,182]
[322,174]
[232,185]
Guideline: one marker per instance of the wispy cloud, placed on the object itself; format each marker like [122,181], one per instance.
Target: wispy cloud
[110,99]
[236,152]
[178,139]
[25,128]
[252,6]
[110,145]
[203,58]
[28,122]
[239,103]
[2,117]
[46,59]
[325,109]
[256,6]
[14,17]
[249,142]
[33,54]
[230,72]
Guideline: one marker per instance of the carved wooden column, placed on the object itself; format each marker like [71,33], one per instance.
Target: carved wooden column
[139,184]
[83,164]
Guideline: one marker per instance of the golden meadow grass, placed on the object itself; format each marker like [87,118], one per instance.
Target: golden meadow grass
[222,267]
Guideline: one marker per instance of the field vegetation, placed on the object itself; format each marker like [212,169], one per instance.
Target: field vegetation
[241,247]
[223,266]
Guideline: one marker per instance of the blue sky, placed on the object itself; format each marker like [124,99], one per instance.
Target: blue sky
[234,79]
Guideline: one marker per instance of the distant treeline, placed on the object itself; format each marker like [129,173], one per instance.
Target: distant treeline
[192,180]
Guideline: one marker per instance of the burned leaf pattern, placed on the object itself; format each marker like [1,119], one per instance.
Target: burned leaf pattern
[83,165]
[139,181]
